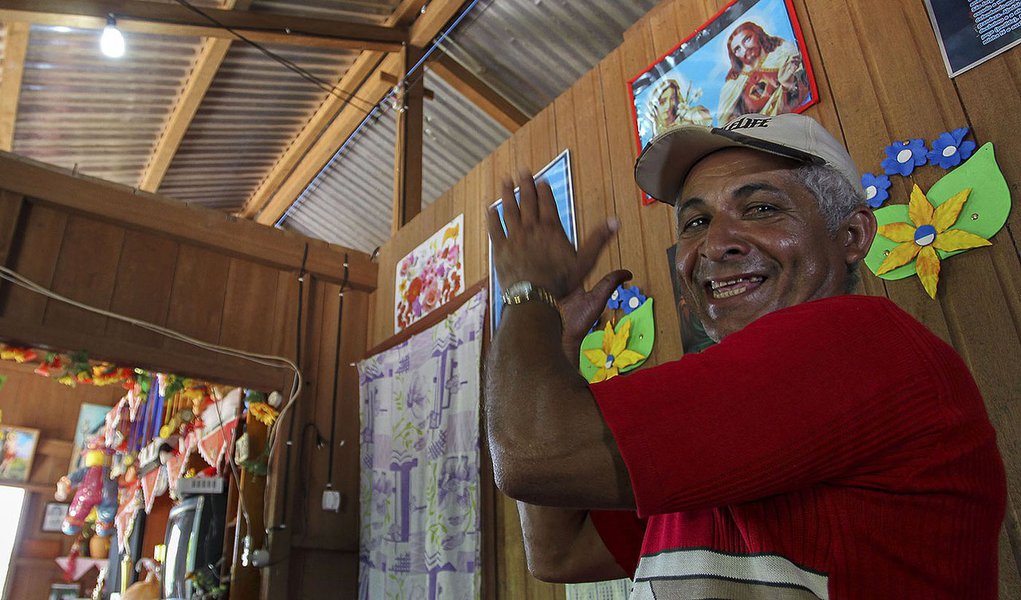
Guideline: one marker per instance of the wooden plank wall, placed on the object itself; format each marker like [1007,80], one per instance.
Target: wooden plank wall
[28,400]
[217,279]
[880,78]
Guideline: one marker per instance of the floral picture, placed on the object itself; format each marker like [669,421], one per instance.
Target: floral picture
[430,275]
[749,58]
[18,445]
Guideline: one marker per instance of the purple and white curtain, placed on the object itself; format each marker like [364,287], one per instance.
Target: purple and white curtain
[420,463]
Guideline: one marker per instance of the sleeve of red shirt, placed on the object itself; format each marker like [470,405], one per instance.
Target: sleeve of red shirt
[622,532]
[799,396]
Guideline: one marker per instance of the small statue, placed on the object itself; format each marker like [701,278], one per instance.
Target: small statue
[94,488]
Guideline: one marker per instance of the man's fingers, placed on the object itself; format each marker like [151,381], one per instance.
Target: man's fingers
[511,214]
[527,204]
[547,204]
[589,251]
[604,288]
[495,227]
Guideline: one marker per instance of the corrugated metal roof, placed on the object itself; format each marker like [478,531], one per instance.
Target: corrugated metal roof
[78,107]
[531,51]
[565,39]
[252,111]
[360,11]
[351,203]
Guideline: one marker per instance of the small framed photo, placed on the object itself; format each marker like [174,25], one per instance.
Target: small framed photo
[53,516]
[17,449]
[64,591]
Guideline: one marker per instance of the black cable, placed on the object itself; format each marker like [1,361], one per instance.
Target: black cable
[336,370]
[300,71]
[294,419]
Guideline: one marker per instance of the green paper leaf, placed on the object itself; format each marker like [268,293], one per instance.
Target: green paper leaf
[989,199]
[643,335]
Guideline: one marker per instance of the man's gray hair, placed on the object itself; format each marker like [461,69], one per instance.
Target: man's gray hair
[838,200]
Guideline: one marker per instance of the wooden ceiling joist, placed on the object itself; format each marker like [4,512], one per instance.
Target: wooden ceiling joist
[15,46]
[316,145]
[204,69]
[478,92]
[137,16]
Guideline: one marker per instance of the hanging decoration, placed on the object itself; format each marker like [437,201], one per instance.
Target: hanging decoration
[430,275]
[94,489]
[961,211]
[618,349]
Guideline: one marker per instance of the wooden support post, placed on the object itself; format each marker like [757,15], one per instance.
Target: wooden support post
[408,146]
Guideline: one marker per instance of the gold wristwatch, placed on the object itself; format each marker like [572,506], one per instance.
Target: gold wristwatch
[526,291]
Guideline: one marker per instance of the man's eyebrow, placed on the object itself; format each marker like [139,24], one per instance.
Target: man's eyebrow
[744,191]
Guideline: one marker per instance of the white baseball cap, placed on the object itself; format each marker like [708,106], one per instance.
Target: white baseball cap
[665,162]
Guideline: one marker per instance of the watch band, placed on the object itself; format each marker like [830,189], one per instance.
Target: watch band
[525,291]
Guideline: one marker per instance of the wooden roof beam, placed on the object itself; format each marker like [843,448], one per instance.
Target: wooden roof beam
[15,47]
[137,16]
[320,140]
[207,63]
[478,92]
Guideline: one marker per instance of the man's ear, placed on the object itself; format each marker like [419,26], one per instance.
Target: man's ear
[857,233]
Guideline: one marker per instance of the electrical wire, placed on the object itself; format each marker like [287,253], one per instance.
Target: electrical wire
[320,83]
[260,359]
[336,371]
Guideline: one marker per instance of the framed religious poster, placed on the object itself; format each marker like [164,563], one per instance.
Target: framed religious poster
[558,175]
[749,58]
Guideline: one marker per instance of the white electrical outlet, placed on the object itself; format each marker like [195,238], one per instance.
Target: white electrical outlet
[331,500]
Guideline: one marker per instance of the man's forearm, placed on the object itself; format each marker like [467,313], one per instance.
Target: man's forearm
[547,438]
[563,546]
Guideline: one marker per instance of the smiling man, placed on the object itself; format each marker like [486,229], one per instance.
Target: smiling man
[829,446]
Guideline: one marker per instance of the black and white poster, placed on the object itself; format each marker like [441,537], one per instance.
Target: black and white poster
[971,32]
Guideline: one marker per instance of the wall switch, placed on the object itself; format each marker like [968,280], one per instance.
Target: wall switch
[331,500]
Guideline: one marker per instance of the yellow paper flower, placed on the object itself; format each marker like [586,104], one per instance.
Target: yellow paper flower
[614,354]
[929,231]
[264,413]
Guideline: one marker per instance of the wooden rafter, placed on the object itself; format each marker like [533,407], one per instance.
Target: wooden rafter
[207,63]
[478,92]
[407,194]
[15,47]
[138,16]
[337,119]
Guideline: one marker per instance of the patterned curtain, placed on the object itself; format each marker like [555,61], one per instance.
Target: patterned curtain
[420,463]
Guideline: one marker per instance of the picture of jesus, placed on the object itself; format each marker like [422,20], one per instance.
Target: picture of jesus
[766,75]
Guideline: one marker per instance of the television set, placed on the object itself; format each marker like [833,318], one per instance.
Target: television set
[194,544]
[116,578]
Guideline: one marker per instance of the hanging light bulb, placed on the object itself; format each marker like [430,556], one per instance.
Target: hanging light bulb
[112,42]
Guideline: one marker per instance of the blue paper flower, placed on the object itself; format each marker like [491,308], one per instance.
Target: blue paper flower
[631,299]
[876,189]
[950,148]
[615,298]
[903,157]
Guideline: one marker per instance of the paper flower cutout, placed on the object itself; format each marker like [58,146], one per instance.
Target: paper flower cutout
[984,213]
[903,157]
[615,298]
[930,231]
[641,326]
[950,148]
[264,413]
[876,189]
[613,355]
[631,299]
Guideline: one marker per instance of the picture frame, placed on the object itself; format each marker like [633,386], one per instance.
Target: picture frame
[64,591]
[53,516]
[693,335]
[17,451]
[748,58]
[91,422]
[558,174]
[430,275]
